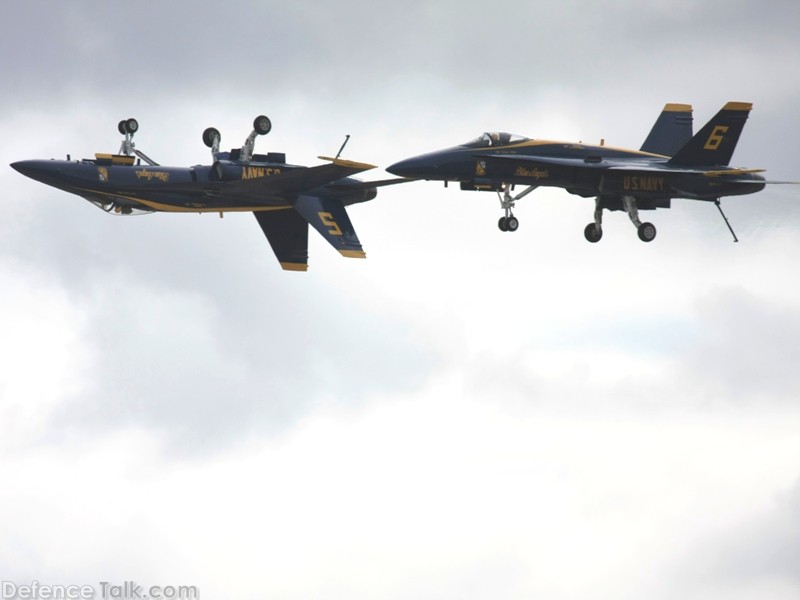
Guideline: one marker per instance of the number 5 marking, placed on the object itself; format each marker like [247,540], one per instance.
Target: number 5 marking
[328,221]
[716,137]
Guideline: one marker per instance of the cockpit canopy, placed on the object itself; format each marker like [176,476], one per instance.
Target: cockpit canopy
[489,140]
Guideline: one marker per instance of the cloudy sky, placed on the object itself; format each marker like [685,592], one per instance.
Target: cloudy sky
[465,414]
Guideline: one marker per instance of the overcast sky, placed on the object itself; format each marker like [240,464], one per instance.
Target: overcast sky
[467,413]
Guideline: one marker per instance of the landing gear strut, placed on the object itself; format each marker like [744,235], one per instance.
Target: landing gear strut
[594,231]
[261,126]
[128,127]
[509,222]
[646,231]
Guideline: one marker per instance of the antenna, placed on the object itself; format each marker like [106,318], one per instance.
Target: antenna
[346,139]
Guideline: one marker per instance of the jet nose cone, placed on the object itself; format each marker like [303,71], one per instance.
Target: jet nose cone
[46,171]
[30,168]
[401,169]
[22,166]
[418,167]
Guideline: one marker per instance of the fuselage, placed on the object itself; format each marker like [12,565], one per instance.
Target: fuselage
[118,186]
[495,159]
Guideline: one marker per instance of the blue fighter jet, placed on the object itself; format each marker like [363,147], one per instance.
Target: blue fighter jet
[284,198]
[672,163]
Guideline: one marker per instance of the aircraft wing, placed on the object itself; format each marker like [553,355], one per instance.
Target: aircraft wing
[361,185]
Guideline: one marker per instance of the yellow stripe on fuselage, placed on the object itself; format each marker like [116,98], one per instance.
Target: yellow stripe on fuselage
[571,145]
[161,207]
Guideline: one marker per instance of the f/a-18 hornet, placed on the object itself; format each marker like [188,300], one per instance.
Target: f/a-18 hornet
[284,198]
[672,163]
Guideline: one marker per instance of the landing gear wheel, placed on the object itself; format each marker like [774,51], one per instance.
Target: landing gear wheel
[209,135]
[647,232]
[262,125]
[503,224]
[131,126]
[512,224]
[592,233]
[121,127]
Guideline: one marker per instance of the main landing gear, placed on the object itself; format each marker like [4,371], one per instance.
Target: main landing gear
[261,126]
[128,127]
[508,222]
[594,231]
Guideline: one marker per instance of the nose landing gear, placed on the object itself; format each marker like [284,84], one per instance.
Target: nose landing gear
[509,222]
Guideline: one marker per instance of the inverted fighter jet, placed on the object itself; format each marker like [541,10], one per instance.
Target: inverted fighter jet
[672,163]
[284,198]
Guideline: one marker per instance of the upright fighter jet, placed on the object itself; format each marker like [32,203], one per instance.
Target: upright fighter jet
[672,163]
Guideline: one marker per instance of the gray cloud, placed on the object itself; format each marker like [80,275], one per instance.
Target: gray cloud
[205,349]
[745,351]
[757,554]
[191,334]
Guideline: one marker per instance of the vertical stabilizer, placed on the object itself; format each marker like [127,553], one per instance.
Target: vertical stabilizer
[714,144]
[671,131]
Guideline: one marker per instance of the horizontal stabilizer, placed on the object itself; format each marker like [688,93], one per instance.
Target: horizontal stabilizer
[330,219]
[287,233]
[365,185]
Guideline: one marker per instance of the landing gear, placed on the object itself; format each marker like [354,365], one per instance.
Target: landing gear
[509,222]
[646,231]
[128,127]
[212,138]
[262,125]
[594,231]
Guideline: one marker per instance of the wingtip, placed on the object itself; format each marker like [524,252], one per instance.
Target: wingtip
[353,253]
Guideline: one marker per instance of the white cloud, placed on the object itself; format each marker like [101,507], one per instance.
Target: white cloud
[437,494]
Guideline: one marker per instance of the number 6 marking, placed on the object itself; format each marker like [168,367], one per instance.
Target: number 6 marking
[716,137]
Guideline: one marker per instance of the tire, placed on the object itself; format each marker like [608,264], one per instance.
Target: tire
[512,223]
[121,127]
[131,126]
[262,125]
[647,232]
[209,135]
[592,234]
